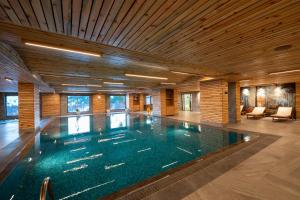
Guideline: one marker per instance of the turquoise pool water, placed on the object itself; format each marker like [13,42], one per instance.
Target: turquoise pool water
[89,157]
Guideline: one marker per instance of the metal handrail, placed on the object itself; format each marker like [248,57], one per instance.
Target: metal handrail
[46,189]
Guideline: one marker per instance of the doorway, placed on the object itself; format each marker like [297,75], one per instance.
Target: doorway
[186,102]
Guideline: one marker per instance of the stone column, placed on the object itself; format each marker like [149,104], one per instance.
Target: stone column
[297,100]
[29,106]
[234,114]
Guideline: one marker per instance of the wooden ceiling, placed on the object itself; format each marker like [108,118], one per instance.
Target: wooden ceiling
[223,38]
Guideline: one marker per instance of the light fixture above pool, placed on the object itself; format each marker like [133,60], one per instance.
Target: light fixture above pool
[62,49]
[78,85]
[143,76]
[185,73]
[112,83]
[285,72]
[168,83]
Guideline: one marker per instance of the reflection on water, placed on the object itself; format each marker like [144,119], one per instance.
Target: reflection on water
[118,120]
[78,125]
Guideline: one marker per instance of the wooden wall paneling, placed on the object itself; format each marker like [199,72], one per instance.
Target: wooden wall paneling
[29,106]
[38,10]
[50,105]
[214,102]
[298,100]
[163,107]
[99,103]
[134,105]
[142,102]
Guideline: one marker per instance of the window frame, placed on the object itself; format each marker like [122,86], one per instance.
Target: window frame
[76,95]
[5,106]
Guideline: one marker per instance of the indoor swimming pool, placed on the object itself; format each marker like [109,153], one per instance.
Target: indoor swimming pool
[89,157]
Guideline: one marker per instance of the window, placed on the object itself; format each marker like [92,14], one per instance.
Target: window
[82,103]
[117,102]
[148,100]
[12,105]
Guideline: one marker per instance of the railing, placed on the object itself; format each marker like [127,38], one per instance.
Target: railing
[46,189]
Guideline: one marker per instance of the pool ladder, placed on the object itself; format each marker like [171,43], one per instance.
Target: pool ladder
[46,189]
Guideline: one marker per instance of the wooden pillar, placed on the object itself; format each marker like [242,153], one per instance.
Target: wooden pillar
[29,106]
[165,102]
[99,103]
[214,102]
[142,102]
[50,105]
[297,100]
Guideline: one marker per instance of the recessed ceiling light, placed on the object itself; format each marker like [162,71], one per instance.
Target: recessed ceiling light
[185,73]
[70,76]
[62,49]
[143,76]
[77,85]
[207,78]
[8,79]
[168,83]
[113,83]
[285,72]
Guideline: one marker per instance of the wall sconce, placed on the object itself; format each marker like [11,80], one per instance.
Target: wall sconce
[246,92]
[99,97]
[261,92]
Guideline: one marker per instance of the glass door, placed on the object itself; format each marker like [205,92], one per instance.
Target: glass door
[186,102]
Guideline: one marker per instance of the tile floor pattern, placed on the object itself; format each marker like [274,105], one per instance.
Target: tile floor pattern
[271,174]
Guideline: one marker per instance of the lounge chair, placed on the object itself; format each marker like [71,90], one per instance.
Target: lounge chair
[257,112]
[283,113]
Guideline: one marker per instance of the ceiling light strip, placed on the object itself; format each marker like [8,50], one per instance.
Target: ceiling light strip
[143,76]
[62,49]
[285,72]
[112,83]
[168,83]
[185,73]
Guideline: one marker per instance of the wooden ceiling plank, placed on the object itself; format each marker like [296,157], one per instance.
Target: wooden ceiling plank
[95,12]
[181,19]
[67,13]
[38,10]
[85,15]
[107,5]
[132,24]
[19,12]
[253,36]
[76,12]
[189,37]
[26,5]
[10,12]
[165,12]
[58,17]
[48,13]
[194,25]
[142,19]
[135,8]
[125,9]
[3,15]
[230,22]
[110,19]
